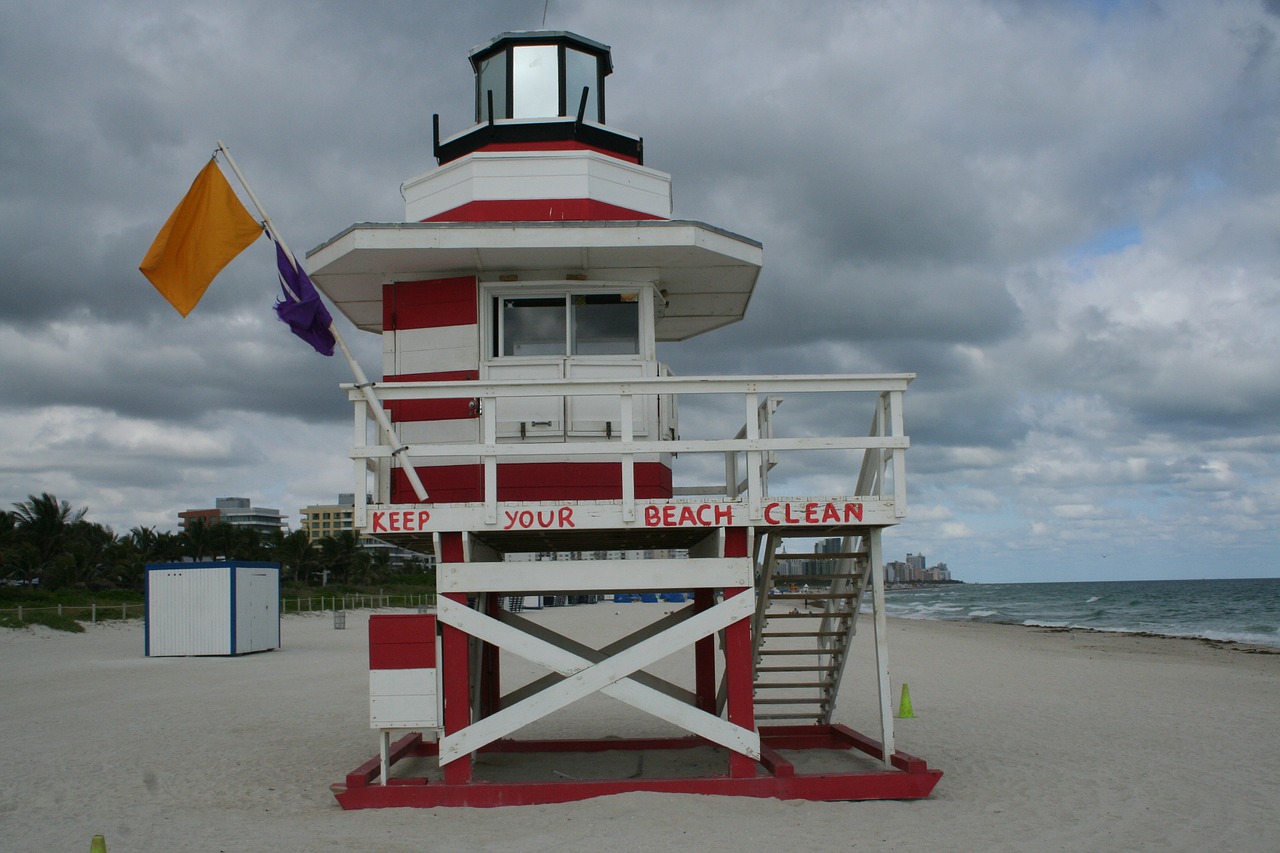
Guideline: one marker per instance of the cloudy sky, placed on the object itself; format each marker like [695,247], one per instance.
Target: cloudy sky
[1063,216]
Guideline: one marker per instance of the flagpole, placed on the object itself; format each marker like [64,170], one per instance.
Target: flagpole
[362,381]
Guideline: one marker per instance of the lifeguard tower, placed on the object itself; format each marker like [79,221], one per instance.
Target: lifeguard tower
[525,411]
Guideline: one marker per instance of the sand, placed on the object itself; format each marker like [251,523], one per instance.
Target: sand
[1049,741]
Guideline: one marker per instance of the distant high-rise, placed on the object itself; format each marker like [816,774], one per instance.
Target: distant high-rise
[238,512]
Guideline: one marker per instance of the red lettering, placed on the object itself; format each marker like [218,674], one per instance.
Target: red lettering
[423,518]
[511,519]
[551,517]
[853,510]
[378,526]
[829,513]
[791,519]
[702,517]
[652,516]
[526,519]
[393,520]
[668,515]
[566,517]
[687,516]
[723,514]
[768,514]
[811,513]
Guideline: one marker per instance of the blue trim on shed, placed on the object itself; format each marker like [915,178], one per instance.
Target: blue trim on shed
[146,612]
[231,585]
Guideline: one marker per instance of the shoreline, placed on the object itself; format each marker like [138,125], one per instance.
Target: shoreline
[1048,739]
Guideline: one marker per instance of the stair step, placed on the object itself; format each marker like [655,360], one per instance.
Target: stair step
[818,615]
[792,596]
[798,652]
[824,668]
[809,701]
[781,578]
[778,685]
[838,555]
[764,635]
[788,716]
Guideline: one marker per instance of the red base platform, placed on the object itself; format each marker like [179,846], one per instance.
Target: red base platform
[777,777]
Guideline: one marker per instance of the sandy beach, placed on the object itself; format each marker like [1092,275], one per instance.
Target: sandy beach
[1050,740]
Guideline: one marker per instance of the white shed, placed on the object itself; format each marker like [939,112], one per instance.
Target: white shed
[216,608]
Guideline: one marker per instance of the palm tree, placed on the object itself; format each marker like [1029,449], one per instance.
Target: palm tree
[8,544]
[342,555]
[197,539]
[296,555]
[45,524]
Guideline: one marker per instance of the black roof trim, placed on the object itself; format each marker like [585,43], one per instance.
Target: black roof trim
[561,130]
[497,43]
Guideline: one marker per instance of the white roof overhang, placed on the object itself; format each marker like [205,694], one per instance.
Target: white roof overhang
[707,273]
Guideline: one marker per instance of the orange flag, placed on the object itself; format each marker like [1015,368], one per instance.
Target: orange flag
[206,230]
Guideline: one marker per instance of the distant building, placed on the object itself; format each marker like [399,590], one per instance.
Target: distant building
[238,512]
[324,521]
[914,571]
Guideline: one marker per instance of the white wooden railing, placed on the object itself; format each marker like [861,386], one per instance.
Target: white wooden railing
[882,463]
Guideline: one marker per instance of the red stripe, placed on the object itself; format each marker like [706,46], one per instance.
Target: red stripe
[540,210]
[429,304]
[403,656]
[536,481]
[555,145]
[432,410]
[438,376]
[402,641]
[402,411]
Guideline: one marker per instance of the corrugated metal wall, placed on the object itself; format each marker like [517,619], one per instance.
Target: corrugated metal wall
[189,611]
[257,609]
[212,609]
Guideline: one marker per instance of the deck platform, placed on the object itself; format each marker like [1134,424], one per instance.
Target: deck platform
[785,750]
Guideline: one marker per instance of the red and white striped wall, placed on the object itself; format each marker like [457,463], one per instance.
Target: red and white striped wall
[404,687]
[538,186]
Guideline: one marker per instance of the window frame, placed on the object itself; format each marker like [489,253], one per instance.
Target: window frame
[492,295]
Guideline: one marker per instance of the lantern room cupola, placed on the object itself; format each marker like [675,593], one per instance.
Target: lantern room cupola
[542,88]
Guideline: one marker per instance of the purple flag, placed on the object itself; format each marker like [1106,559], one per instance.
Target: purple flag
[303,310]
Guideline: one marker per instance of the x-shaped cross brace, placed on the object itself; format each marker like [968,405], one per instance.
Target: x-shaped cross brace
[611,676]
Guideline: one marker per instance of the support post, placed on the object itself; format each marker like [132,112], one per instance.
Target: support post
[738,662]
[881,630]
[456,678]
[490,682]
[704,656]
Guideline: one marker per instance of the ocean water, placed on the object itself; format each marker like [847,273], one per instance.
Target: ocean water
[1242,611]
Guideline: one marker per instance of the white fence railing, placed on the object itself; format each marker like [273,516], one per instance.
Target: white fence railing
[879,470]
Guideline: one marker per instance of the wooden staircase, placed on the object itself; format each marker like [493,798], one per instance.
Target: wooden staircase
[801,638]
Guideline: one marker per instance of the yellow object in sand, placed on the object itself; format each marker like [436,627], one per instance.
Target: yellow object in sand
[98,844]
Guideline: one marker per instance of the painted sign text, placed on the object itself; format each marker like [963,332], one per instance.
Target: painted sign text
[812,513]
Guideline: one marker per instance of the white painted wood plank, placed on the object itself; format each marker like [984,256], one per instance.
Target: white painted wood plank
[599,575]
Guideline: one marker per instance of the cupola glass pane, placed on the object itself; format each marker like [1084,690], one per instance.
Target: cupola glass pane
[492,77]
[580,69]
[535,81]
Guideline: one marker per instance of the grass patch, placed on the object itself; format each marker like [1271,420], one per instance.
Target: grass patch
[49,620]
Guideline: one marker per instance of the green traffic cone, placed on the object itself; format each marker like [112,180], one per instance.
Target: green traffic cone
[904,707]
[98,844]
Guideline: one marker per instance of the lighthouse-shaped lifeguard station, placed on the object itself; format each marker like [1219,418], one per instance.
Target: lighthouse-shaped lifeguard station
[524,411]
